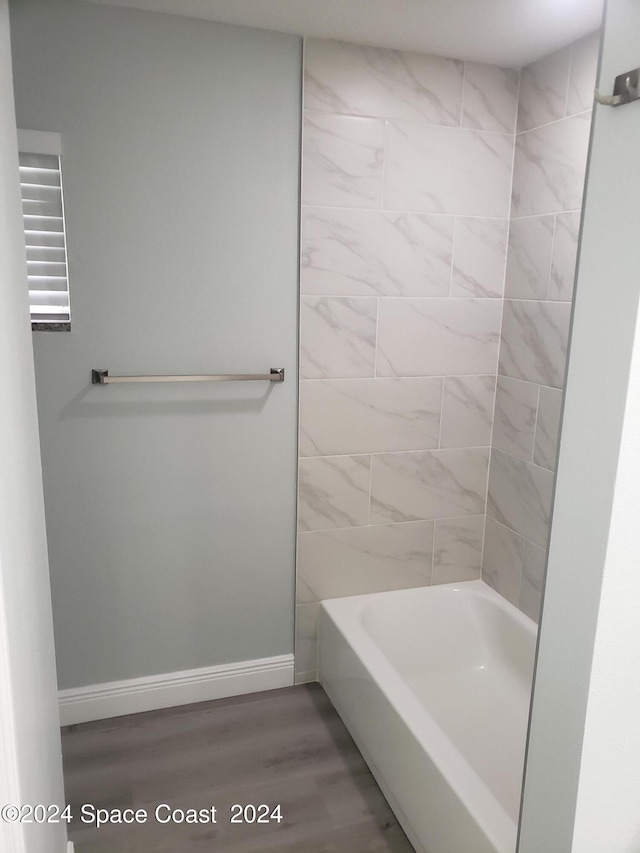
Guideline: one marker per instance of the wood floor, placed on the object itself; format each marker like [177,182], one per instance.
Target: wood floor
[284,746]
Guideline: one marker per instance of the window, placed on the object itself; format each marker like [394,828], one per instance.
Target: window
[42,207]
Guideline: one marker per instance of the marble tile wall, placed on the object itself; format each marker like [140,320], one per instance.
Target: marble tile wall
[554,118]
[406,194]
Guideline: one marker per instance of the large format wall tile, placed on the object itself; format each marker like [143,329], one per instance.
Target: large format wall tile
[306,642]
[532,580]
[407,168]
[369,415]
[333,492]
[429,484]
[338,337]
[548,427]
[467,411]
[447,170]
[520,496]
[370,253]
[343,160]
[534,341]
[438,337]
[335,563]
[565,251]
[543,90]
[457,552]
[556,94]
[356,80]
[582,79]
[529,258]
[502,561]
[515,417]
[549,167]
[490,97]
[480,254]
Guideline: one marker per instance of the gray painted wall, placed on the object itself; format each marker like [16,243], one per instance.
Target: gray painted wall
[170,508]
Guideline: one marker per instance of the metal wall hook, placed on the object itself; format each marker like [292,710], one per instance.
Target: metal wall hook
[626,89]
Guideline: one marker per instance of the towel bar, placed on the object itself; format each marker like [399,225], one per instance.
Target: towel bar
[276,374]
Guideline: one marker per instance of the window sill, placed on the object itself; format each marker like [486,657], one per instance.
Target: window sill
[51,327]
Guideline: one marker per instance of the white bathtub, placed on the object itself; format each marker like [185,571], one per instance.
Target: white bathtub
[434,686]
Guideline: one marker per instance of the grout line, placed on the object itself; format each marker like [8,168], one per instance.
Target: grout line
[433,213]
[464,82]
[503,288]
[520,459]
[521,543]
[555,121]
[433,552]
[444,382]
[569,70]
[394,524]
[553,247]
[411,296]
[486,496]
[484,527]
[493,426]
[400,378]
[385,151]
[518,87]
[502,306]
[506,527]
[453,256]
[539,301]
[542,215]
[529,382]
[411,121]
[368,524]
[538,215]
[396,452]
[439,299]
[525,539]
[535,429]
[521,573]
[375,348]
[531,542]
[375,372]
[453,127]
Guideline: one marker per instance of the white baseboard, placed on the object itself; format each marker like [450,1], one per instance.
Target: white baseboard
[116,698]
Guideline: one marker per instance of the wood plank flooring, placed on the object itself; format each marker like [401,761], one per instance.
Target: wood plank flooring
[284,746]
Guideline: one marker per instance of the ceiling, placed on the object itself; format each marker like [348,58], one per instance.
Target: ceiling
[502,32]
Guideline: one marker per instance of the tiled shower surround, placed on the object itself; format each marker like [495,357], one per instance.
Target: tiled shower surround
[408,162]
[554,120]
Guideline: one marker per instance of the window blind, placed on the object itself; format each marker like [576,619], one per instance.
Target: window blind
[42,208]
